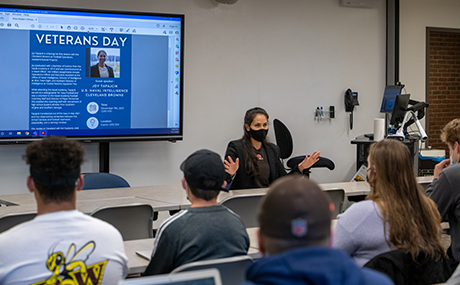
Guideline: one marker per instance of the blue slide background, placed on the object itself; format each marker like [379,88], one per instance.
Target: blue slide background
[143,72]
[121,118]
[14,80]
[150,82]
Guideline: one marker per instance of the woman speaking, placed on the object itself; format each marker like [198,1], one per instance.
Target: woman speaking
[252,161]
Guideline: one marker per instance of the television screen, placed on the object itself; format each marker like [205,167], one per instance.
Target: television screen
[389,97]
[90,75]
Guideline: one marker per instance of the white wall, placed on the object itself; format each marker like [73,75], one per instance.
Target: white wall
[286,56]
[415,17]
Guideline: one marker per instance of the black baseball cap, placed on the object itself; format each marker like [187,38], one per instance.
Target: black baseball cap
[204,170]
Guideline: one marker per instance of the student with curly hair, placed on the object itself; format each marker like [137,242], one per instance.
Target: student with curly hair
[60,244]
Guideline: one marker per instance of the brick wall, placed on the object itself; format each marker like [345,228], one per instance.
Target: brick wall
[443,84]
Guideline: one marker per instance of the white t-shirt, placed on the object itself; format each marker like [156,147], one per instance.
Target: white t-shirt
[59,246]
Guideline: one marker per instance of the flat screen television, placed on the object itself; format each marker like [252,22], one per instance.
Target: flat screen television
[90,75]
[389,97]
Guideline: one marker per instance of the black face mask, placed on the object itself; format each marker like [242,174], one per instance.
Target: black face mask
[258,135]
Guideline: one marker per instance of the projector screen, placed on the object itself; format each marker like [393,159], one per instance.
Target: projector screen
[90,75]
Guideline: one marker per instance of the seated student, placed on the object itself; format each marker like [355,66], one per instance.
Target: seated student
[252,161]
[294,236]
[207,230]
[444,190]
[60,245]
[395,215]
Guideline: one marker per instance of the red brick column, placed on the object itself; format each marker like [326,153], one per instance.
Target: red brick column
[443,84]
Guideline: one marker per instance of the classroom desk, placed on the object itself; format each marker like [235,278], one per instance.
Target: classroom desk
[425,181]
[138,264]
[161,198]
[23,209]
[351,188]
[172,196]
[89,206]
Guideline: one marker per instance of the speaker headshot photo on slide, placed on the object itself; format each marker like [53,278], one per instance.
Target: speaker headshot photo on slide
[105,62]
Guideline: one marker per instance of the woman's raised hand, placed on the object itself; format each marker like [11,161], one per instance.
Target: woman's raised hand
[231,166]
[309,161]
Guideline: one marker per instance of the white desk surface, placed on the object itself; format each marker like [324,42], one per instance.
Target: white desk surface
[424,179]
[88,206]
[25,209]
[137,264]
[350,188]
[161,198]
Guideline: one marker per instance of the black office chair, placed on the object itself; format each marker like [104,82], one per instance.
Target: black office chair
[284,142]
[100,180]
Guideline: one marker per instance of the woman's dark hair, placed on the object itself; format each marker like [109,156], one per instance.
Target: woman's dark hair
[251,161]
[99,52]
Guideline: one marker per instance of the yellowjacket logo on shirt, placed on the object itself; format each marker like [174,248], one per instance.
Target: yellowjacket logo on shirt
[72,269]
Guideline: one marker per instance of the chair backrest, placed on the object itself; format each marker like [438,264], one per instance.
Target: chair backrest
[132,221]
[322,162]
[11,220]
[286,145]
[283,139]
[100,180]
[337,197]
[246,206]
[232,269]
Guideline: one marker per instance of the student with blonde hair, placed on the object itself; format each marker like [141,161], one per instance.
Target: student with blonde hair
[395,215]
[445,188]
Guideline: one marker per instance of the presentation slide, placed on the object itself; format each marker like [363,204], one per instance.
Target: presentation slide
[67,80]
[67,92]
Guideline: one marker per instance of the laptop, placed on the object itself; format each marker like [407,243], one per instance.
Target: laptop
[196,277]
